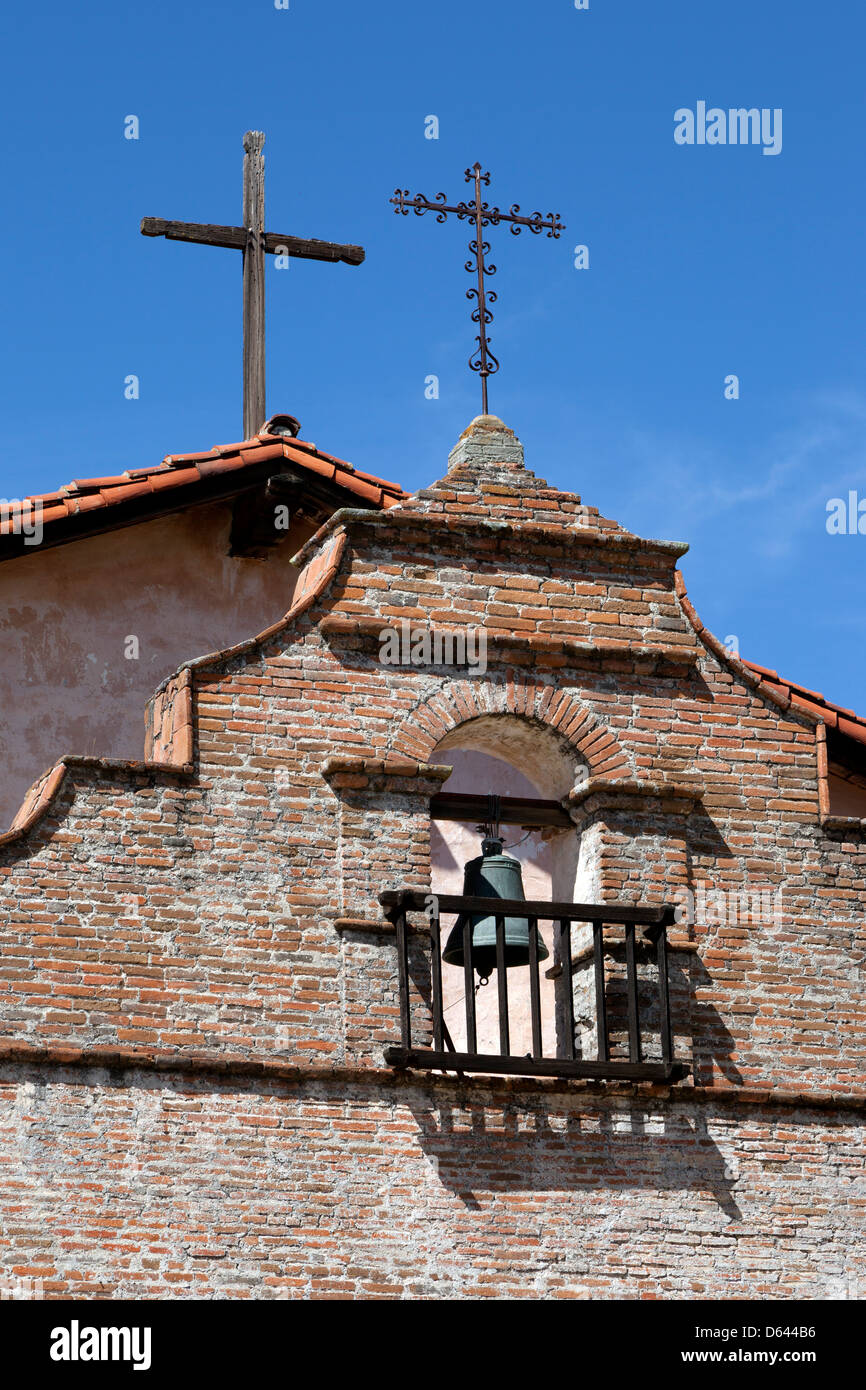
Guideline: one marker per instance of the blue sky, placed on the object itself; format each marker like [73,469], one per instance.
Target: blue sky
[705,261]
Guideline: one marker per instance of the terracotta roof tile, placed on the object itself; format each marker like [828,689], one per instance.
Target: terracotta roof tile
[787,693]
[323,468]
[230,448]
[265,453]
[174,478]
[834,716]
[853,729]
[171,459]
[125,492]
[781,690]
[812,694]
[184,470]
[85,503]
[370,491]
[94,484]
[209,466]
[53,513]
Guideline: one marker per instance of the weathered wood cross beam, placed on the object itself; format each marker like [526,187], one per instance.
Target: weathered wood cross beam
[255,243]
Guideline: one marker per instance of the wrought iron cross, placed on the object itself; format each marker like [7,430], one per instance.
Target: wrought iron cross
[482,360]
[254,242]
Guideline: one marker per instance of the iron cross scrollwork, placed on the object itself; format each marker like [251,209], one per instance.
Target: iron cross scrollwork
[482,360]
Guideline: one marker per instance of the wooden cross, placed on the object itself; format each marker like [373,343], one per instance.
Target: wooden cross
[255,243]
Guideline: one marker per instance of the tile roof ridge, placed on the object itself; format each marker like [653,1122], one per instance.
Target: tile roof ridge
[783,693]
[180,469]
[807,696]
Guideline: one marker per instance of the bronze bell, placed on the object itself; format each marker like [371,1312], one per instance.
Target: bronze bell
[493,875]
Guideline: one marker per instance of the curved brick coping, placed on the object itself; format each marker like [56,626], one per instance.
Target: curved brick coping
[81,1059]
[537,644]
[735,666]
[313,581]
[169,717]
[794,708]
[168,722]
[400,518]
[46,787]
[35,803]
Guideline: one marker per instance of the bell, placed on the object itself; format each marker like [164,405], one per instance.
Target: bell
[494,875]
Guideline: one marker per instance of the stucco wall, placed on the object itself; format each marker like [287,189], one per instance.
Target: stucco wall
[66,685]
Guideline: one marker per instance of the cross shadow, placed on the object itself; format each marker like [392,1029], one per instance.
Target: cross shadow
[705,839]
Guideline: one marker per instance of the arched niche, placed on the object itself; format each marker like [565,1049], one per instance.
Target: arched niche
[511,756]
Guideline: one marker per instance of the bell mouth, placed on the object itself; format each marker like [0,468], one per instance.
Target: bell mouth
[516,951]
[496,877]
[484,958]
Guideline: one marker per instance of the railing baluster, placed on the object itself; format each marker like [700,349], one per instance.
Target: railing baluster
[534,989]
[436,981]
[469,986]
[600,1004]
[567,984]
[664,1001]
[403,976]
[443,1055]
[502,986]
[634,1052]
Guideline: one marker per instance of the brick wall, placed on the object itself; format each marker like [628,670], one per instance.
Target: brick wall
[136,1185]
[223,922]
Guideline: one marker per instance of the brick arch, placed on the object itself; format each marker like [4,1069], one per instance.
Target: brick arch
[558,710]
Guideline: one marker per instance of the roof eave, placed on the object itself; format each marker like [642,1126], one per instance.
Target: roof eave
[153,506]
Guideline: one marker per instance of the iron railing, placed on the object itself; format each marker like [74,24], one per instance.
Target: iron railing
[427,979]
